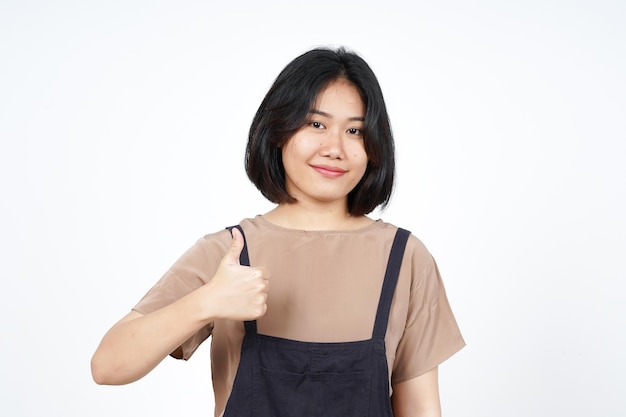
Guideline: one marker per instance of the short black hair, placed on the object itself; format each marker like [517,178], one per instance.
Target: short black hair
[285,109]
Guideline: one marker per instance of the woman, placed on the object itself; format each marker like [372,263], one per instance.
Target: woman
[339,314]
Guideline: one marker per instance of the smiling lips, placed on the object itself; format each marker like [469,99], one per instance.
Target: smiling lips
[329,171]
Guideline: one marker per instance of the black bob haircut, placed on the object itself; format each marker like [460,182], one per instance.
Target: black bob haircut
[285,110]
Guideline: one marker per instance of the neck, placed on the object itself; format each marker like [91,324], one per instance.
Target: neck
[303,217]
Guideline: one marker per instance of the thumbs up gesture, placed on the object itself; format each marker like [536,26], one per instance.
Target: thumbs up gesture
[238,292]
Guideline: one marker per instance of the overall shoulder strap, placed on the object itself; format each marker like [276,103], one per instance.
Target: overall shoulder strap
[389,284]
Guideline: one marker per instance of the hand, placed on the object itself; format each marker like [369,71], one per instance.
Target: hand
[238,292]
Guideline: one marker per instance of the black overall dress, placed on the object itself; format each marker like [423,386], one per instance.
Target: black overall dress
[286,378]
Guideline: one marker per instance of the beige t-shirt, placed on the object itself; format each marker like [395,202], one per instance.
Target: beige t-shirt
[324,287]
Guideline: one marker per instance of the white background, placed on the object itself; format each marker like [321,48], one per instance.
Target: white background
[123,126]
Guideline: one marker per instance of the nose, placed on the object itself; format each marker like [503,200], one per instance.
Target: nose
[332,145]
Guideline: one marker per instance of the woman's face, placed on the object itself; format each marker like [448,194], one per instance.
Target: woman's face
[326,158]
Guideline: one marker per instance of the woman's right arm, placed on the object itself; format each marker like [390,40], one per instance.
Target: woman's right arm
[137,343]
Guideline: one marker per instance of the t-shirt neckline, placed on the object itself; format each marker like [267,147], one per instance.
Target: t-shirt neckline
[266,223]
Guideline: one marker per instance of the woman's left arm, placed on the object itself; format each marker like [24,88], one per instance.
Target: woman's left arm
[417,397]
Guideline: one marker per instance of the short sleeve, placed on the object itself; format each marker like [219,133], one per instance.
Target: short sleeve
[193,269]
[431,333]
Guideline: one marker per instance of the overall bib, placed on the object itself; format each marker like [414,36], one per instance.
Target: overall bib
[287,378]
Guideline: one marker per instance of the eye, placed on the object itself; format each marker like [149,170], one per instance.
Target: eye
[316,125]
[355,131]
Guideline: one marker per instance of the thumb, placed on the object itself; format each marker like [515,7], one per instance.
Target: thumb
[236,246]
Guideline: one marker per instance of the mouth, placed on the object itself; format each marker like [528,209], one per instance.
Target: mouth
[329,171]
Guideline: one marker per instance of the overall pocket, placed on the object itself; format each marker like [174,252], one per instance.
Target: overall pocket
[285,394]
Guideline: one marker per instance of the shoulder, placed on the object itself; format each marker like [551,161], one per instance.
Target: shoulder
[415,250]
[216,244]
[418,251]
[418,264]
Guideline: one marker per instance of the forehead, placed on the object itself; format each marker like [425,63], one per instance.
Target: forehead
[338,95]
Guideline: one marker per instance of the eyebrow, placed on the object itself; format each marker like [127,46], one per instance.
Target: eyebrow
[322,113]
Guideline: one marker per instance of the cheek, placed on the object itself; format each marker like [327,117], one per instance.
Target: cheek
[297,146]
[358,153]
[290,149]
[294,153]
[359,165]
